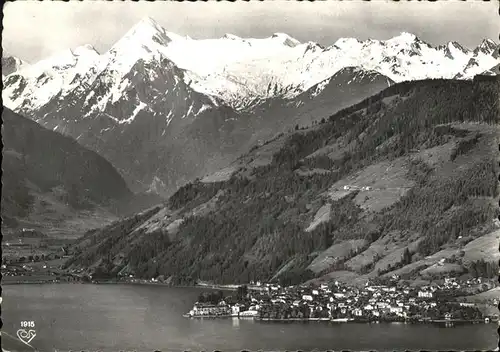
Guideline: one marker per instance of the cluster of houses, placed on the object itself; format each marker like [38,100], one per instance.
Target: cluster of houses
[342,302]
[338,302]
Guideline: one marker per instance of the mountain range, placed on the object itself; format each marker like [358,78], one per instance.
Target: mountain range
[243,71]
[403,183]
[165,109]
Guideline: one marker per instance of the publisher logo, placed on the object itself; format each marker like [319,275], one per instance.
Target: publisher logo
[28,334]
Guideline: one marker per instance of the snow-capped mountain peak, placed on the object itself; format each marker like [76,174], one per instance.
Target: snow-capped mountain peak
[143,34]
[11,64]
[148,22]
[86,49]
[404,37]
[454,45]
[487,47]
[145,41]
[285,39]
[63,60]
[231,37]
[404,40]
[347,43]
[146,37]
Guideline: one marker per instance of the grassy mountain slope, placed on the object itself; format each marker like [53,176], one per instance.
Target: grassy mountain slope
[51,181]
[298,207]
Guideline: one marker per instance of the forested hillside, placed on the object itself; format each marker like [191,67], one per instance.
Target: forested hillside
[48,175]
[405,182]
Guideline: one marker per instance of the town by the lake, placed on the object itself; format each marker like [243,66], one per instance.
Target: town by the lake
[439,302]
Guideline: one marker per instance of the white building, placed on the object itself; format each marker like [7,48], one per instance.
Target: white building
[357,312]
[425,294]
[396,310]
[249,313]
[210,310]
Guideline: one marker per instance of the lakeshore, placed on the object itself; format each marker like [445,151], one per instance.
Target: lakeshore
[73,279]
[149,317]
[346,320]
[366,321]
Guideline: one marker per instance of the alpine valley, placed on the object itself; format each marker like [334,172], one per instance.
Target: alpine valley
[165,109]
[54,185]
[281,161]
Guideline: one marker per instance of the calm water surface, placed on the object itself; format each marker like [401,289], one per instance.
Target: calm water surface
[148,317]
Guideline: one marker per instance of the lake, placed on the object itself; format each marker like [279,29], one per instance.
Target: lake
[148,317]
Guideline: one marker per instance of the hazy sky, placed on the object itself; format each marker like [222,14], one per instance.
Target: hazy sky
[34,30]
